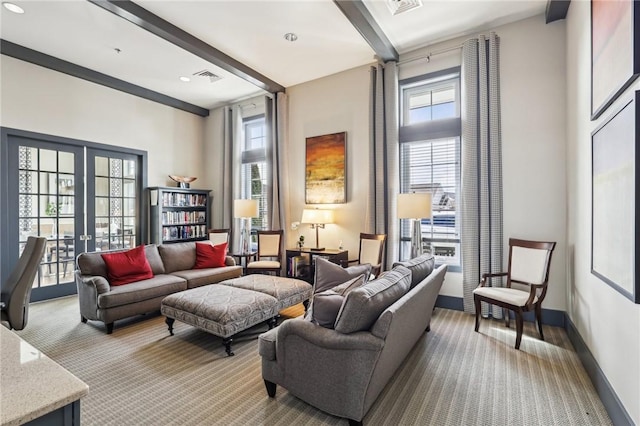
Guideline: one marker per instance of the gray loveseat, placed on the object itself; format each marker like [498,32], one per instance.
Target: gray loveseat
[172,266]
[342,373]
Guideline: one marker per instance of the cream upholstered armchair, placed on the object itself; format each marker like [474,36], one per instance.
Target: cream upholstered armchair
[371,251]
[218,236]
[270,247]
[526,284]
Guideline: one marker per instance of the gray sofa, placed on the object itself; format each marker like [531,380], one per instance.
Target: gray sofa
[342,373]
[172,266]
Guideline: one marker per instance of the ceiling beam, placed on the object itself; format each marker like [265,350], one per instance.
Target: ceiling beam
[141,17]
[360,17]
[13,50]
[556,10]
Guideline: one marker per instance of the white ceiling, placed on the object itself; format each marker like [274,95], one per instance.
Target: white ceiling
[251,32]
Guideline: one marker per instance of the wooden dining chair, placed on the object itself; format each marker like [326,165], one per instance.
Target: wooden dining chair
[526,286]
[269,256]
[219,236]
[371,251]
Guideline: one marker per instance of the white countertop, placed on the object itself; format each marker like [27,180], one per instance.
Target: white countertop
[31,384]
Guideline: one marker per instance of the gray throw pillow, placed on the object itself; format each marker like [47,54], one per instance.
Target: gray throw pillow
[329,275]
[363,305]
[420,267]
[326,304]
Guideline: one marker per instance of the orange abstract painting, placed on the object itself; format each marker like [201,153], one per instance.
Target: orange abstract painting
[325,173]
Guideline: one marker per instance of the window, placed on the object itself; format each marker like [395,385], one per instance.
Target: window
[430,159]
[254,171]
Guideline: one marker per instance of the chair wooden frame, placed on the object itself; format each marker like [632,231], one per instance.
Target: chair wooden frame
[259,255]
[375,269]
[531,304]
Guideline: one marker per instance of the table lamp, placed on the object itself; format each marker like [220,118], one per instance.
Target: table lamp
[317,218]
[415,206]
[245,210]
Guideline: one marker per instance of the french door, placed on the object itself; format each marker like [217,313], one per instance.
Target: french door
[81,198]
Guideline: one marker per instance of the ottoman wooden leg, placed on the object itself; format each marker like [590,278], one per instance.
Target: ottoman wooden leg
[169,322]
[272,322]
[227,341]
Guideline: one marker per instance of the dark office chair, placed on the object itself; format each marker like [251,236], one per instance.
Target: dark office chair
[16,291]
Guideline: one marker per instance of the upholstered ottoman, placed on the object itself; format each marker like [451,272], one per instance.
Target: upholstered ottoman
[220,310]
[288,291]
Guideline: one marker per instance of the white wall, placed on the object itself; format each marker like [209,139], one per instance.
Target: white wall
[608,322]
[336,103]
[40,100]
[532,85]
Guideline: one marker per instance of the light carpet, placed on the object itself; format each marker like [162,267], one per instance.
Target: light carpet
[140,375]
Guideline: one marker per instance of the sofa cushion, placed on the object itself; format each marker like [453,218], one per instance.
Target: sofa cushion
[329,275]
[93,264]
[200,277]
[326,304]
[127,266]
[363,305]
[158,286]
[178,256]
[210,256]
[155,261]
[420,267]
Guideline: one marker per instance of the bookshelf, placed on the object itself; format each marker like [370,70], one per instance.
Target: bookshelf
[178,215]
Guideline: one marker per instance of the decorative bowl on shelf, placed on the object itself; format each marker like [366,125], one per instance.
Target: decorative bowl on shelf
[183,181]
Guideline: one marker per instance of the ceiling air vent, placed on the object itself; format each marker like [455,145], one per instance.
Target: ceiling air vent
[206,73]
[400,6]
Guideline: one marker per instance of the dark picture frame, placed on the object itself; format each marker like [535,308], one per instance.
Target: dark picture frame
[326,169]
[615,51]
[615,220]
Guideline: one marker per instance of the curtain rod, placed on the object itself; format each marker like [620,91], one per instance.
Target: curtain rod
[428,57]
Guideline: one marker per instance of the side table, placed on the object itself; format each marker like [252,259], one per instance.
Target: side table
[301,262]
[246,257]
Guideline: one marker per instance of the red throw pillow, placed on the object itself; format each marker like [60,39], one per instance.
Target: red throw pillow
[210,256]
[127,266]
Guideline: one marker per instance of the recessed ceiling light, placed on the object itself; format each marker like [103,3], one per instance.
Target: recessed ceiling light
[290,37]
[13,7]
[185,79]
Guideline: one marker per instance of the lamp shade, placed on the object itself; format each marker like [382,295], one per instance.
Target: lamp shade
[317,216]
[414,205]
[245,208]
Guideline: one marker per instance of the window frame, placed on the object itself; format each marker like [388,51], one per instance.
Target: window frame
[255,156]
[432,131]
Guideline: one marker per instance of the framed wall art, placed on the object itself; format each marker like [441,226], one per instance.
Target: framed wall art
[326,169]
[615,219]
[615,50]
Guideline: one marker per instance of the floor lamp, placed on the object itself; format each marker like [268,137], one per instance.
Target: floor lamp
[317,218]
[245,210]
[415,206]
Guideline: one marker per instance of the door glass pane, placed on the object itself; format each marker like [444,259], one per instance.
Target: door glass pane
[46,200]
[48,161]
[102,166]
[116,204]
[102,187]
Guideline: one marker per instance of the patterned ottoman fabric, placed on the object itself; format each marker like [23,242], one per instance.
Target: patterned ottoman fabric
[288,291]
[220,310]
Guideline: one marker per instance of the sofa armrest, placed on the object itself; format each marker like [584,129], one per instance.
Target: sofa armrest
[90,287]
[99,284]
[229,261]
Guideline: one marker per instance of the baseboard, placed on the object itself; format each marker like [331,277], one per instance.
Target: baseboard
[619,416]
[549,316]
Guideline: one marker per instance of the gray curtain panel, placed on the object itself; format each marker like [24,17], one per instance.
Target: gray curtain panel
[227,173]
[276,123]
[384,156]
[481,211]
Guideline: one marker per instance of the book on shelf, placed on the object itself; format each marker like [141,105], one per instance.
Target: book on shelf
[299,266]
